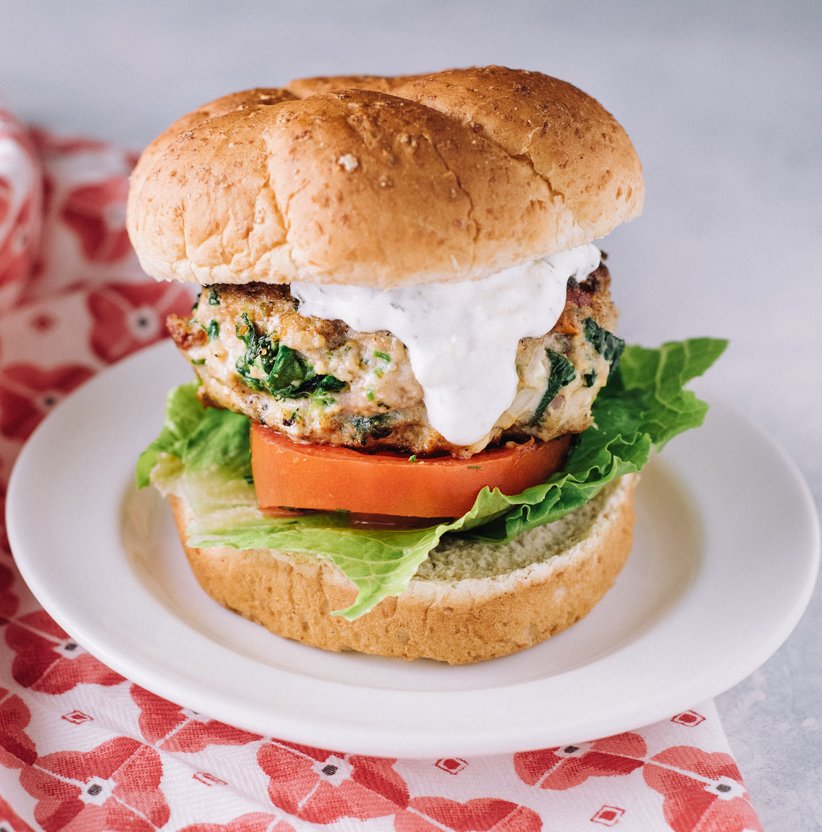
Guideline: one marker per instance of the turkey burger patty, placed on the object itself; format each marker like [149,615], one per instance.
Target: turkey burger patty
[321,381]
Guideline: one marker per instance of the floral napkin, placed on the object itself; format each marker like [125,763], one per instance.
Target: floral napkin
[82,748]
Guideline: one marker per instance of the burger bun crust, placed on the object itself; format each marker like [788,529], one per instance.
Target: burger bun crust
[381,181]
[453,612]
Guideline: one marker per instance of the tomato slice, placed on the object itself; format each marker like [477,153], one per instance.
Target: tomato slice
[330,478]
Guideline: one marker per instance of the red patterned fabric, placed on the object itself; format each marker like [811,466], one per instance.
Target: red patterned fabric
[16,747]
[96,214]
[46,659]
[571,765]
[324,786]
[82,748]
[128,316]
[172,728]
[28,392]
[252,822]
[701,790]
[21,211]
[481,815]
[113,786]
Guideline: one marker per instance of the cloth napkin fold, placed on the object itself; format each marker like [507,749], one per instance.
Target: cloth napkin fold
[82,748]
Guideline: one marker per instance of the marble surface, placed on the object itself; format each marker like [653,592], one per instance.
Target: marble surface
[724,103]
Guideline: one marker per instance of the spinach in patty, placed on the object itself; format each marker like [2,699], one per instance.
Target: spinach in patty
[605,343]
[281,371]
[562,373]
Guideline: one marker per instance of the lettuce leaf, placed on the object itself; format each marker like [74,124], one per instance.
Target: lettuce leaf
[203,456]
[200,438]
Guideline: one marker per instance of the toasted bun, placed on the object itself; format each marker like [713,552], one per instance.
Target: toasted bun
[381,181]
[469,602]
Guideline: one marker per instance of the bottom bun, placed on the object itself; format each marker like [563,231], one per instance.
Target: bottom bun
[468,602]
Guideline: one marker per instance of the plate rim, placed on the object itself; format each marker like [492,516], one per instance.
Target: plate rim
[494,739]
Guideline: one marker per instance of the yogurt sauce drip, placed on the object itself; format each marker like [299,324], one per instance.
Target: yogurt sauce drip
[461,337]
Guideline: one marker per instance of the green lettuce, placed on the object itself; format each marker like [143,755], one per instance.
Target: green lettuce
[202,455]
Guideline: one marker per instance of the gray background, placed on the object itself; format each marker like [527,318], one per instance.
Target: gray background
[724,103]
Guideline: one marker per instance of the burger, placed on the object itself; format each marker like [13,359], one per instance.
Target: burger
[413,431]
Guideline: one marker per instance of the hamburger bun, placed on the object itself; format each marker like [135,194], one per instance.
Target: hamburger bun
[469,602]
[381,182]
[385,183]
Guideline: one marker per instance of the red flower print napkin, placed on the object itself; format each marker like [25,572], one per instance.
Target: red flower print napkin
[82,748]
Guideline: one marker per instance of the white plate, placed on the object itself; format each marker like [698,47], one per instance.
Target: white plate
[726,554]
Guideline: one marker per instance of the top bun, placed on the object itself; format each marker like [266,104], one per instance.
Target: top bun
[381,181]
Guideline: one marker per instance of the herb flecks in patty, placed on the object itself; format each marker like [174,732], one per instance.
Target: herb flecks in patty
[562,373]
[605,343]
[280,371]
[362,384]
[370,427]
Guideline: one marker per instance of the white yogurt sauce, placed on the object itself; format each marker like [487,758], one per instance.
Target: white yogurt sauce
[461,337]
